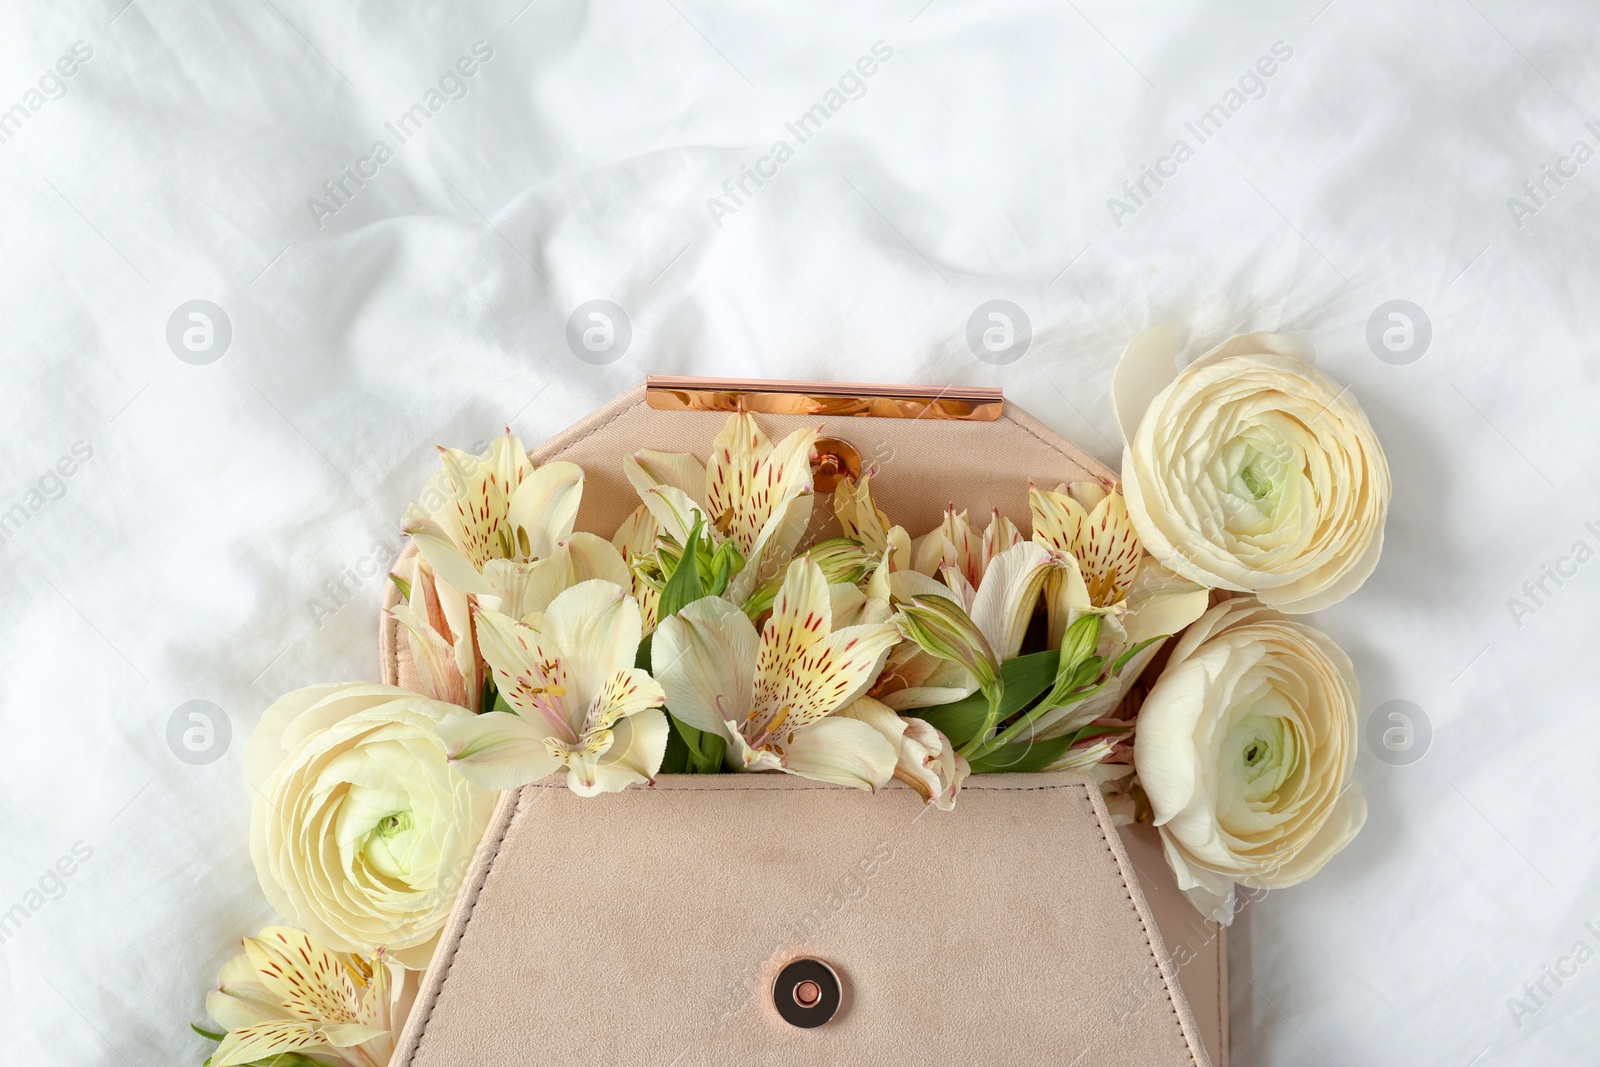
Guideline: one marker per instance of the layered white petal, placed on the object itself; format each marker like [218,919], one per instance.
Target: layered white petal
[1245,748]
[1249,470]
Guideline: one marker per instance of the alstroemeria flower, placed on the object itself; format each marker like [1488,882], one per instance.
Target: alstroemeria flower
[863,521]
[579,701]
[1092,524]
[635,539]
[288,993]
[1000,609]
[1002,605]
[958,552]
[924,758]
[1249,470]
[436,621]
[771,696]
[496,525]
[755,493]
[1136,596]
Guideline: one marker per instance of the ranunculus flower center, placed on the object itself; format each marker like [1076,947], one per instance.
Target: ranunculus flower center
[382,830]
[1264,749]
[392,843]
[1262,484]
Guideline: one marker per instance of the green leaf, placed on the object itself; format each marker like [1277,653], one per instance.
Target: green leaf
[1024,678]
[641,659]
[1122,660]
[712,750]
[1021,757]
[405,594]
[676,759]
[1092,731]
[691,751]
[207,1034]
[684,587]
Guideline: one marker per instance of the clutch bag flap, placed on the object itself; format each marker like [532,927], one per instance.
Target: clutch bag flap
[649,926]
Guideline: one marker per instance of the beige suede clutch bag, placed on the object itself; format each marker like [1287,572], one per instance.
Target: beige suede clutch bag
[766,919]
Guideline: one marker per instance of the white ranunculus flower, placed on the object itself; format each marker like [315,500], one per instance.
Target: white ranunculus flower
[1248,470]
[1245,747]
[361,830]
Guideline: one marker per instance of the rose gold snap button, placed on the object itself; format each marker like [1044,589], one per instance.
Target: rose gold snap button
[807,992]
[833,461]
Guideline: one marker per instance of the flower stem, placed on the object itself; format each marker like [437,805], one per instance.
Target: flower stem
[990,719]
[1010,733]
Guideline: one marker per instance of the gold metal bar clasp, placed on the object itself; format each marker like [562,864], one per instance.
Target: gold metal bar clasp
[965,403]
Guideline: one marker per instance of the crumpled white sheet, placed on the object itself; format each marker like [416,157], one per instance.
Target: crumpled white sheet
[223,529]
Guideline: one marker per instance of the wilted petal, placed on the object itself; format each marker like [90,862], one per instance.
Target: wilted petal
[924,758]
[930,764]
